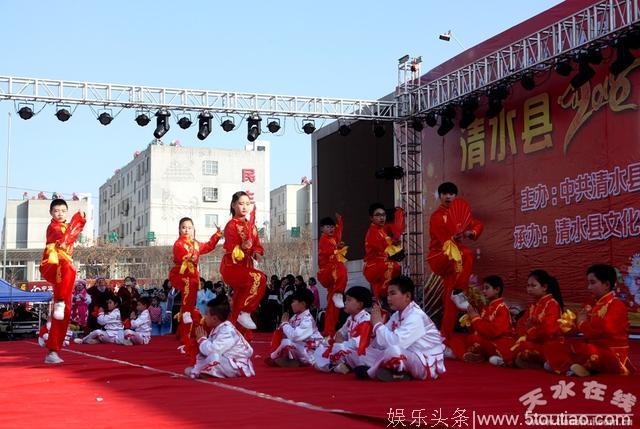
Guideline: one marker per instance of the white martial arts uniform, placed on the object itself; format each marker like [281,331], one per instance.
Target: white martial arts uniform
[408,342]
[225,353]
[347,351]
[300,339]
[113,331]
[140,332]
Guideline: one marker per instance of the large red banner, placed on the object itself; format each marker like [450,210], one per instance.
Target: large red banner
[555,177]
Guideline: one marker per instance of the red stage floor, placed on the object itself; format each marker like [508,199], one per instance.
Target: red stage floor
[104,386]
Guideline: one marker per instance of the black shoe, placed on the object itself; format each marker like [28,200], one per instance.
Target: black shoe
[384,374]
[361,372]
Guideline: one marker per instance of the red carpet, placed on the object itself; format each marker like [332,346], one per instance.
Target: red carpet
[104,386]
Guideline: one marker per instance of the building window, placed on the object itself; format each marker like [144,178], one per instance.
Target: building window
[209,168]
[210,195]
[261,148]
[210,220]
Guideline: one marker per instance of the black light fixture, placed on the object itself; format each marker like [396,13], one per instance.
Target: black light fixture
[273,125]
[378,129]
[184,122]
[527,81]
[228,124]
[447,116]
[495,96]
[469,107]
[390,173]
[585,72]
[563,67]
[142,119]
[624,57]
[594,55]
[431,119]
[63,114]
[253,127]
[26,112]
[309,127]
[344,130]
[162,123]
[204,125]
[417,124]
[105,118]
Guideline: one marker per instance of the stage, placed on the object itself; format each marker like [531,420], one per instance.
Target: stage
[108,386]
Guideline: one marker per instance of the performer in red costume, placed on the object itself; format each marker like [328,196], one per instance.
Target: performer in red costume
[57,268]
[242,246]
[184,276]
[447,256]
[332,272]
[382,248]
[605,326]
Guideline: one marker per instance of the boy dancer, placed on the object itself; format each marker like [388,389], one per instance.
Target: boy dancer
[224,353]
[57,268]
[140,332]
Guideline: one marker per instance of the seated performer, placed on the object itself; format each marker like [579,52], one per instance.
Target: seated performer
[295,342]
[409,345]
[347,349]
[113,330]
[605,326]
[140,332]
[224,352]
[492,329]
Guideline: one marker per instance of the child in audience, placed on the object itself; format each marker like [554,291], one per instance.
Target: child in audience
[156,314]
[113,330]
[140,332]
[297,338]
[346,349]
[224,352]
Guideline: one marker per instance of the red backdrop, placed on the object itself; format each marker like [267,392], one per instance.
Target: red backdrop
[555,178]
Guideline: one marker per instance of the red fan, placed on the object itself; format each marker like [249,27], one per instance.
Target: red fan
[397,226]
[459,216]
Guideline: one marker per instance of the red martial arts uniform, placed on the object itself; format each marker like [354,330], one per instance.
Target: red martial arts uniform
[536,330]
[492,332]
[605,346]
[455,274]
[332,273]
[237,268]
[57,268]
[184,276]
[378,268]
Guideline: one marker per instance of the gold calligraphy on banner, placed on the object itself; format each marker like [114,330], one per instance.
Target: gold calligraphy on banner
[586,101]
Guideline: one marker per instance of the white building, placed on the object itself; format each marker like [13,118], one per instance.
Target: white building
[27,221]
[143,201]
[290,211]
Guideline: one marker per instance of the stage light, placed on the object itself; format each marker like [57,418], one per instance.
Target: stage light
[378,129]
[527,81]
[105,118]
[184,122]
[162,123]
[585,72]
[495,96]
[594,55]
[25,112]
[143,120]
[63,114]
[469,107]
[446,125]
[204,125]
[273,125]
[624,57]
[344,130]
[431,119]
[445,36]
[417,124]
[228,125]
[390,173]
[309,127]
[253,127]
[563,67]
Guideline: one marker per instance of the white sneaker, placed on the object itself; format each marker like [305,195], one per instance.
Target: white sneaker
[58,310]
[52,357]
[244,319]
[338,301]
[186,317]
[78,340]
[460,301]
[189,372]
[448,353]
[496,360]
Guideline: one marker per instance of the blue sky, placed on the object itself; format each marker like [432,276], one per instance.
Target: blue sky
[345,49]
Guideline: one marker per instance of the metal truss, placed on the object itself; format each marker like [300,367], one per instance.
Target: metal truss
[105,95]
[597,23]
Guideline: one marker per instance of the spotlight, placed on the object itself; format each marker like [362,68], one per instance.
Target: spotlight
[527,81]
[594,55]
[25,112]
[273,125]
[496,95]
[500,91]
[417,124]
[378,129]
[446,125]
[204,125]
[431,119]
[390,173]
[162,123]
[344,130]
[105,118]
[309,127]
[563,67]
[469,106]
[228,125]
[585,72]
[184,122]
[143,120]
[253,127]
[63,114]
[445,36]
[624,57]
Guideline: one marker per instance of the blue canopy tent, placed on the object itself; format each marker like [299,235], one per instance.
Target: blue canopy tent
[8,293]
